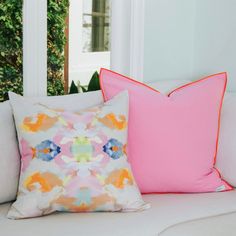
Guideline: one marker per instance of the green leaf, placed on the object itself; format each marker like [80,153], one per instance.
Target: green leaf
[83,89]
[73,88]
[11,69]
[11,41]
[57,13]
[94,82]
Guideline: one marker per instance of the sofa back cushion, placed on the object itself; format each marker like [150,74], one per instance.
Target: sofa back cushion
[226,159]
[9,155]
[173,138]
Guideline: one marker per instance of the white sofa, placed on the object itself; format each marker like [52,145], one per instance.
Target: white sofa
[170,214]
[203,214]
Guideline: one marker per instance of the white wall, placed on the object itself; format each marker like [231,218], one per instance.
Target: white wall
[187,39]
[215,45]
[168,39]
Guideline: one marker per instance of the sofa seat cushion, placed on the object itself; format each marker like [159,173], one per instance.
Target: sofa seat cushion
[216,225]
[167,210]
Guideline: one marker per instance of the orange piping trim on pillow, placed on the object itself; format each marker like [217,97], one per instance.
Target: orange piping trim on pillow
[194,82]
[169,94]
[229,185]
[132,80]
[147,86]
[230,189]
[219,118]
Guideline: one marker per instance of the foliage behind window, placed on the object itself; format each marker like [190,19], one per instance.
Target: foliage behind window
[57,13]
[11,73]
[11,42]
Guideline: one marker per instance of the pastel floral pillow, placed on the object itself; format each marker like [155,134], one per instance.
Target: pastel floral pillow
[73,161]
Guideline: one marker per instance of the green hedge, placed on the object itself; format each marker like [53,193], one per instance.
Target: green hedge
[10,47]
[11,41]
[57,13]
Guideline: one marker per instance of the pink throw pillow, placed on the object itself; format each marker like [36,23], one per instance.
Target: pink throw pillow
[172,139]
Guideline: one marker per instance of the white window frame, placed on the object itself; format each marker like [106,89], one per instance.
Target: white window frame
[127,39]
[35,47]
[137,19]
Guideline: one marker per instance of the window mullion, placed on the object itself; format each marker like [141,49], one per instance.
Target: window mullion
[35,47]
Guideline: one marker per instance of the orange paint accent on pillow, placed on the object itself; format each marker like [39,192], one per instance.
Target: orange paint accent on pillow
[111,121]
[43,122]
[118,178]
[46,181]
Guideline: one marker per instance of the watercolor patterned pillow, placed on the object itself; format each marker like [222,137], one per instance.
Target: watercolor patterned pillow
[73,161]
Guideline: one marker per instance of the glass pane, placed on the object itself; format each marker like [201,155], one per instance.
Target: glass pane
[11,72]
[96,25]
[90,50]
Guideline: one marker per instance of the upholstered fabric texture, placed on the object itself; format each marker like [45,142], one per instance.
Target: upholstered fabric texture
[226,158]
[9,155]
[73,161]
[173,138]
[177,213]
